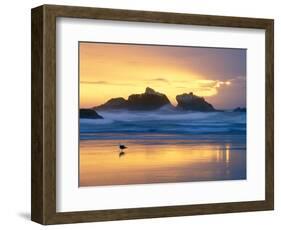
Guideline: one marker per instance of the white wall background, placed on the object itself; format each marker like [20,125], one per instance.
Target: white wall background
[15,113]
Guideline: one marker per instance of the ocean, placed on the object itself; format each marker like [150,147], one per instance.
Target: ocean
[164,146]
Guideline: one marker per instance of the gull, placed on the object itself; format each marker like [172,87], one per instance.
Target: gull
[121,147]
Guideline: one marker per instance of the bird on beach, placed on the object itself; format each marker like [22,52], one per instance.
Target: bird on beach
[121,147]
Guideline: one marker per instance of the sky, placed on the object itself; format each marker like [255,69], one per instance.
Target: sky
[109,70]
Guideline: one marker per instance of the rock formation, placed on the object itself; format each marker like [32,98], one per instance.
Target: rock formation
[149,100]
[114,103]
[192,102]
[89,114]
[239,109]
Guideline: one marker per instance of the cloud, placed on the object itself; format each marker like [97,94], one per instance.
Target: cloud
[181,87]
[208,83]
[203,87]
[94,82]
[105,83]
[160,79]
[239,79]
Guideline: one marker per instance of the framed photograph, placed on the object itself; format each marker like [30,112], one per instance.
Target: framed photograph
[141,114]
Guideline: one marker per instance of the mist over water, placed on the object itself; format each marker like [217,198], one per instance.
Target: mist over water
[161,122]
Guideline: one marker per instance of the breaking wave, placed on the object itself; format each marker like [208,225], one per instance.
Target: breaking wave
[163,122]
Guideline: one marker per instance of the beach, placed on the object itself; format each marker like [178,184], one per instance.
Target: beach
[102,163]
[162,148]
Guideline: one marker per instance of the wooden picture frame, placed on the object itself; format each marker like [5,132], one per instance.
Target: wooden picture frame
[43,205]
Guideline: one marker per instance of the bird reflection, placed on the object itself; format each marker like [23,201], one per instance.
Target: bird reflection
[121,154]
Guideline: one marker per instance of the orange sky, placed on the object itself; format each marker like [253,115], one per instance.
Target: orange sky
[118,70]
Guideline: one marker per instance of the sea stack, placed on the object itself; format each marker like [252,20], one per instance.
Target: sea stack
[240,110]
[149,100]
[113,103]
[191,102]
[89,114]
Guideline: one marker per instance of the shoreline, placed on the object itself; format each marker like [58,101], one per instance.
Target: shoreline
[101,161]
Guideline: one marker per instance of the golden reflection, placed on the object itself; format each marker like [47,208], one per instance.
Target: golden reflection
[227,154]
[100,162]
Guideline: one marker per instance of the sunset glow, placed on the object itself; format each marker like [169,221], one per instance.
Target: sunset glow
[118,70]
[142,138]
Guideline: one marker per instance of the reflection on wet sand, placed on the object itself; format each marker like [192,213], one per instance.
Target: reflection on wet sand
[122,153]
[101,163]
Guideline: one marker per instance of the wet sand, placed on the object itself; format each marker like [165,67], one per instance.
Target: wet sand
[160,161]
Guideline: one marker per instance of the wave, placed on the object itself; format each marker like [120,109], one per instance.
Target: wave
[164,122]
